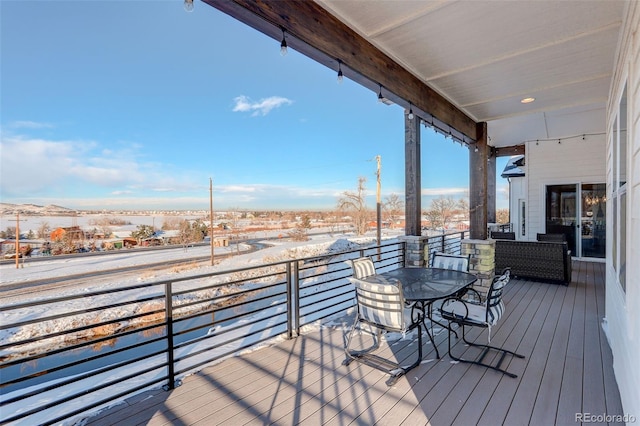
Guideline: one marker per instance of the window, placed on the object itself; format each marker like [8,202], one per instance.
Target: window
[523,217]
[619,191]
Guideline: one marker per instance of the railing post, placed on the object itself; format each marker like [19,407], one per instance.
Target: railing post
[296,294]
[169,319]
[289,302]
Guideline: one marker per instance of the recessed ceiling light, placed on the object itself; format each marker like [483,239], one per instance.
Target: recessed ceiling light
[527,100]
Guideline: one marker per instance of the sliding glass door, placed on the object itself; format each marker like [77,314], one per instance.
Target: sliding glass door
[593,227]
[562,213]
[578,212]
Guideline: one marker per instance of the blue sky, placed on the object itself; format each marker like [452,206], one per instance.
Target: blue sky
[136,104]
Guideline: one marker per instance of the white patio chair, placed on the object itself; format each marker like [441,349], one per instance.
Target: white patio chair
[381,308]
[449,261]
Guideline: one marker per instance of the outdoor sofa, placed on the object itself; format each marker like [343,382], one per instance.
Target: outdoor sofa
[537,260]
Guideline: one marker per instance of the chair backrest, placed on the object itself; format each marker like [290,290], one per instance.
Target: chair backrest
[450,261]
[495,306]
[380,303]
[503,235]
[363,267]
[551,237]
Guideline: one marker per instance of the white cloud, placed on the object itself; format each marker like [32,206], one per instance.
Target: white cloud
[26,124]
[42,167]
[436,192]
[261,107]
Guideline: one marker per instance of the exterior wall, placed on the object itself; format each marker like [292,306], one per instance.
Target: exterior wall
[574,160]
[517,192]
[622,321]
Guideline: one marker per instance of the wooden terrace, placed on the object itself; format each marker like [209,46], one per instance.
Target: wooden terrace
[568,370]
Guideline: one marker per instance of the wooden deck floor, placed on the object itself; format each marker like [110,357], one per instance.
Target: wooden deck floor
[567,370]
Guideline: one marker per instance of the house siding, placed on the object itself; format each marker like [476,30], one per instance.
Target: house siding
[573,160]
[622,313]
[517,192]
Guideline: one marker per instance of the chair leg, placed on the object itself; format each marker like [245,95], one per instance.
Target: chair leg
[401,371]
[430,315]
[365,356]
[485,350]
[354,355]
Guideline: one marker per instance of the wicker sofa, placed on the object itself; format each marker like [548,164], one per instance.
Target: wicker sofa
[537,260]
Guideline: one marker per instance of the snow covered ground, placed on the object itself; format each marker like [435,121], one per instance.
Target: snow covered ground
[279,250]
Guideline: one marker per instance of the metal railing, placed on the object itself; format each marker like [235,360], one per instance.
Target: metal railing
[447,243]
[66,357]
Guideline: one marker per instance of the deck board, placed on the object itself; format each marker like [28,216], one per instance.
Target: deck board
[567,370]
[546,403]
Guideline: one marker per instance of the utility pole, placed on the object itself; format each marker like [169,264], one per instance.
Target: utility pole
[378,204]
[211,217]
[18,241]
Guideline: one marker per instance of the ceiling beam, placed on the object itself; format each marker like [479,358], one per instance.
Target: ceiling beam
[508,151]
[316,33]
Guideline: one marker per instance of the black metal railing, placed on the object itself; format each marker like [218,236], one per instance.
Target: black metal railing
[447,243]
[65,357]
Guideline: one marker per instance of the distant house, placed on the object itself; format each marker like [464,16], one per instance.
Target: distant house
[71,232]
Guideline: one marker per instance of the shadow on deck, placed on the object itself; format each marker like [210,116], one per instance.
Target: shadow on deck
[568,370]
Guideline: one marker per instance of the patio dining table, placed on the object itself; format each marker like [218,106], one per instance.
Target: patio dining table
[423,286]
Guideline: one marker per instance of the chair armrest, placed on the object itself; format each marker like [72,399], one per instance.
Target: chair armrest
[454,308]
[470,295]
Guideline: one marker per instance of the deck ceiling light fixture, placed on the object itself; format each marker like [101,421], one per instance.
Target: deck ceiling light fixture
[188,5]
[382,99]
[283,44]
[340,75]
[527,100]
[410,116]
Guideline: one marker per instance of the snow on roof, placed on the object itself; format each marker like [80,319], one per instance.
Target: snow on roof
[514,167]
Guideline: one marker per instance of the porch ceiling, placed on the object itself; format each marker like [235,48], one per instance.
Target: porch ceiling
[481,56]
[485,56]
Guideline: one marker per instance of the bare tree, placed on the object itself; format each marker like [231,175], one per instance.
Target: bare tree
[441,212]
[463,206]
[301,231]
[43,230]
[502,215]
[333,220]
[354,202]
[393,207]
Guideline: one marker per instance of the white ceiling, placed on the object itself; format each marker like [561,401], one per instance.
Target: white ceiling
[485,56]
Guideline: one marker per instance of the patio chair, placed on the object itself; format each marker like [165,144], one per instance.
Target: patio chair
[558,238]
[380,308]
[449,261]
[486,315]
[363,267]
[499,235]
[456,262]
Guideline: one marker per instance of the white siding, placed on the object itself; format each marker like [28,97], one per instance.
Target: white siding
[623,309]
[517,192]
[574,160]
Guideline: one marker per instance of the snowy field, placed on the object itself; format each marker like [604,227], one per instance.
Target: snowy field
[279,250]
[87,221]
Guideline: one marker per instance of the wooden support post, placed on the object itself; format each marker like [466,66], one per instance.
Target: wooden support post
[491,186]
[378,205]
[211,220]
[478,185]
[412,176]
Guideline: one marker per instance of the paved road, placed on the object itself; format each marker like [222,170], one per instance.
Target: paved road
[53,272]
